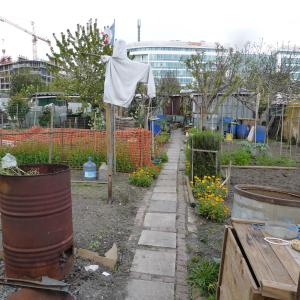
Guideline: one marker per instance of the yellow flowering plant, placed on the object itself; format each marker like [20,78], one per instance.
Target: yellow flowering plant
[144,176]
[210,195]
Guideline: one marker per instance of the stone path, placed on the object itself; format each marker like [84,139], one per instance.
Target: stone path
[158,269]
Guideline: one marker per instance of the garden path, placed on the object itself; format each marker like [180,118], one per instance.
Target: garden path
[159,267]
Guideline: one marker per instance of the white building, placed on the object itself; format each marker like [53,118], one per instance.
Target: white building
[167,57]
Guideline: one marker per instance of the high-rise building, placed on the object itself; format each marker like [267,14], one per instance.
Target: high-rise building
[167,57]
[36,67]
[291,58]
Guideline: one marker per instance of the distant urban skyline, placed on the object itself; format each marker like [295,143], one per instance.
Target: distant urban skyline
[231,22]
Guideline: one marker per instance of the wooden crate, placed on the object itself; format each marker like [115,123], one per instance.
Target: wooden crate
[235,279]
[252,269]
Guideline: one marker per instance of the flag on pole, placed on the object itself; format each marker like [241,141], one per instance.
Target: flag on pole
[109,34]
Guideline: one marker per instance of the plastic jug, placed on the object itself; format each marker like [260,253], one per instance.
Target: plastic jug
[89,170]
[8,161]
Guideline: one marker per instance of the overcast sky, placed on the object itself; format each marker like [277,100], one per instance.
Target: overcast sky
[224,21]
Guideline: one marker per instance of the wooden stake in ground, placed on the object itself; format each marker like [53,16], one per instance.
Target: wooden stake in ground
[109,145]
[51,134]
[281,134]
[256,115]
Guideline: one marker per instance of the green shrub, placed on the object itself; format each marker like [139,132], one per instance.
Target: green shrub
[256,149]
[162,138]
[164,157]
[225,158]
[241,157]
[204,163]
[203,275]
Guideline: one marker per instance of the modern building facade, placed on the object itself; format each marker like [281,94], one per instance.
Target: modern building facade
[291,58]
[167,57]
[37,67]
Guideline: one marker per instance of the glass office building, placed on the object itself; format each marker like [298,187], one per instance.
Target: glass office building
[290,57]
[167,58]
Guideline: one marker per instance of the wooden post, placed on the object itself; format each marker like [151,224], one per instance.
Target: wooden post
[268,120]
[109,138]
[114,139]
[281,134]
[192,159]
[51,135]
[256,115]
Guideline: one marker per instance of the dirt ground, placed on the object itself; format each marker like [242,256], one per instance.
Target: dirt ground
[207,241]
[97,225]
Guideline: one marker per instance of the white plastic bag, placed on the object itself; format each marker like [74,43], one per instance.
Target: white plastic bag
[8,161]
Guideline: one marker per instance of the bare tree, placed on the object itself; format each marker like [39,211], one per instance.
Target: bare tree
[215,78]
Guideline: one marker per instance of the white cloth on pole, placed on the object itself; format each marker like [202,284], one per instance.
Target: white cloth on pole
[122,76]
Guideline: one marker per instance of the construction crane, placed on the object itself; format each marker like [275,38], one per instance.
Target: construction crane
[35,37]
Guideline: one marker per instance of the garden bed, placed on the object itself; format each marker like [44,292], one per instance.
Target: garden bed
[205,237]
[97,225]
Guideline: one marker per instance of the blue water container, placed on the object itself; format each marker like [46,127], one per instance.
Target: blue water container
[260,133]
[232,129]
[242,131]
[89,170]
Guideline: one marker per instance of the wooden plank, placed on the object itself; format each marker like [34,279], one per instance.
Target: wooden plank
[295,254]
[277,290]
[287,261]
[260,270]
[264,261]
[222,260]
[236,280]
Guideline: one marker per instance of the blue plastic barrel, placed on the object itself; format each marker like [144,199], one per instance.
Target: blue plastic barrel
[242,131]
[231,128]
[260,133]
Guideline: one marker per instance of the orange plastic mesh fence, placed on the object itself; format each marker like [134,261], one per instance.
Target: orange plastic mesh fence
[73,146]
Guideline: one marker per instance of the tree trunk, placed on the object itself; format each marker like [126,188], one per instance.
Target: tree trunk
[203,112]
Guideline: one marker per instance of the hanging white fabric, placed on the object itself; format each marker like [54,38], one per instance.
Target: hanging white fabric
[122,76]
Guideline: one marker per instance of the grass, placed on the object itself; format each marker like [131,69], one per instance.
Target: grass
[242,157]
[203,275]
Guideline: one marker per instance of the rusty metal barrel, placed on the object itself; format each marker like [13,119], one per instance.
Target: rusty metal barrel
[36,217]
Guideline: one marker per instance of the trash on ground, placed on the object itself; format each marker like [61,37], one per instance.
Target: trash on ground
[91,268]
[105,273]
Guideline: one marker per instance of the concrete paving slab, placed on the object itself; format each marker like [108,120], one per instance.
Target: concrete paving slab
[170,167]
[154,262]
[167,177]
[166,182]
[164,196]
[168,172]
[149,290]
[164,189]
[158,239]
[160,221]
[162,206]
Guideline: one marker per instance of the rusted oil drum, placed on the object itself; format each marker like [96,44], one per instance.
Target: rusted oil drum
[262,203]
[36,216]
